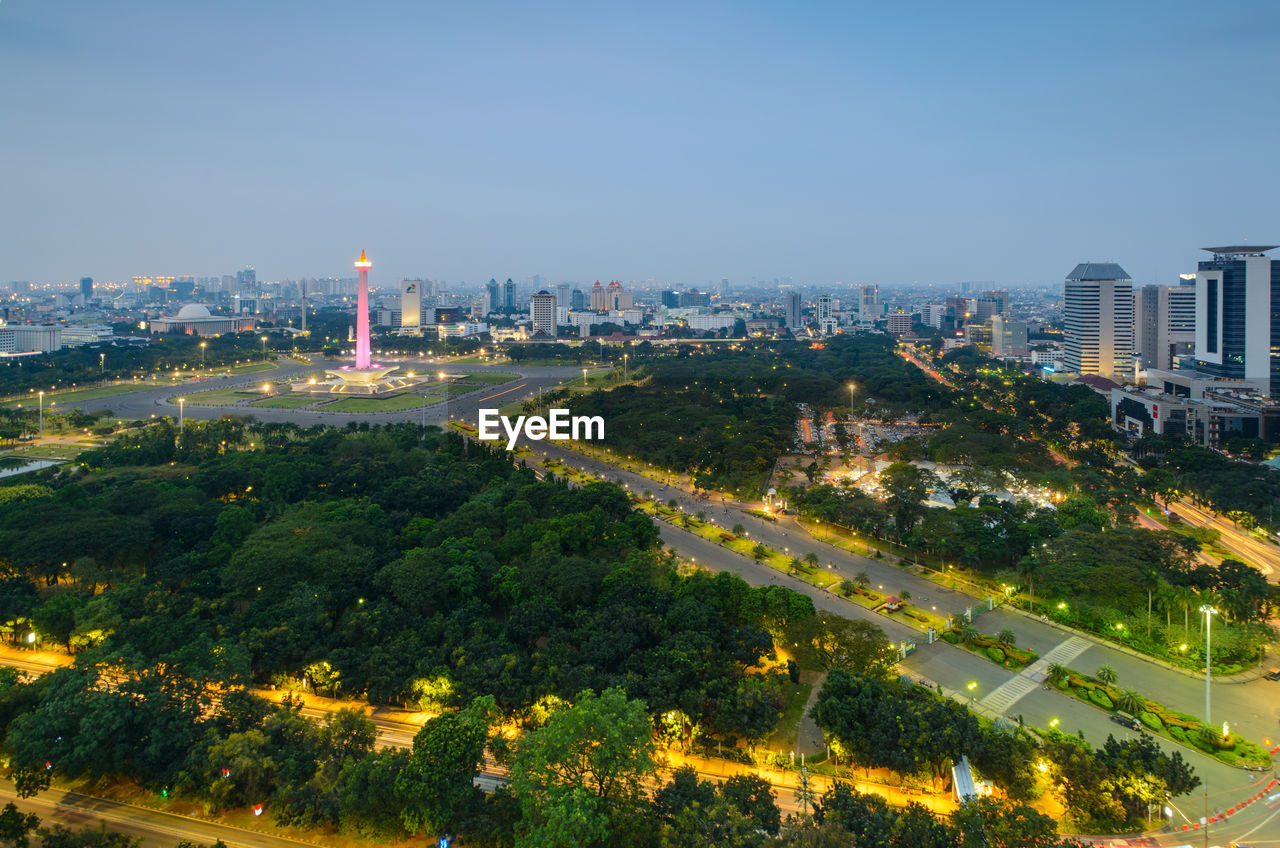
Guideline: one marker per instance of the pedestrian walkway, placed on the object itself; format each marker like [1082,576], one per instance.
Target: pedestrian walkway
[1009,693]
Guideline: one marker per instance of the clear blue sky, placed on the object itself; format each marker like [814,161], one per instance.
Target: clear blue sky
[894,142]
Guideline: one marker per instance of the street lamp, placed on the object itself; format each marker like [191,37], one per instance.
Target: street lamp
[181,417]
[442,376]
[102,363]
[203,345]
[264,348]
[41,413]
[584,378]
[1209,613]
[973,685]
[624,367]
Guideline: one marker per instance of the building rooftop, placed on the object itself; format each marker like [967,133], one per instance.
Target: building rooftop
[1240,249]
[1088,271]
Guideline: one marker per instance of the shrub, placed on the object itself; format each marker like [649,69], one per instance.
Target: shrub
[1100,698]
[1150,720]
[995,654]
[1178,733]
[951,637]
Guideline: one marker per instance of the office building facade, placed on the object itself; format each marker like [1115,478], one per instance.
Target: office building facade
[1098,325]
[543,310]
[1238,315]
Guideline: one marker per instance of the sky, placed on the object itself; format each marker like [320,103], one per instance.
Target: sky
[897,143]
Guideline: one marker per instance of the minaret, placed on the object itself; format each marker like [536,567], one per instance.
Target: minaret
[362,312]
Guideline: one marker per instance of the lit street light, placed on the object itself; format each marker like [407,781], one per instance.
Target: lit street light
[203,345]
[1209,612]
[42,413]
[264,348]
[102,363]
[181,416]
[584,378]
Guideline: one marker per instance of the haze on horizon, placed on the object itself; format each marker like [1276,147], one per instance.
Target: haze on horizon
[684,142]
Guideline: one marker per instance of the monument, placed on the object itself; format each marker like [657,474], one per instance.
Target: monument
[364,377]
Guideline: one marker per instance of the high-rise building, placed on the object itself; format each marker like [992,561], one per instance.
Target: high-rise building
[411,304]
[597,303]
[792,307]
[247,281]
[543,309]
[898,323]
[493,296]
[1164,322]
[670,299]
[869,308]
[825,314]
[693,297]
[1238,316]
[86,288]
[509,294]
[1008,336]
[577,299]
[1098,326]
[616,298]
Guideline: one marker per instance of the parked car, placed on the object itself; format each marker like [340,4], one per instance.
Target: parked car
[1274,674]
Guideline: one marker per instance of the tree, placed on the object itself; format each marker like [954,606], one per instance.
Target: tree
[1106,674]
[580,775]
[862,579]
[1130,701]
[854,645]
[1006,636]
[16,826]
[752,796]
[1055,673]
[438,780]
[906,487]
[994,823]
[738,530]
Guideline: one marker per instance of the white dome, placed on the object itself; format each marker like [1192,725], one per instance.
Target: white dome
[193,311]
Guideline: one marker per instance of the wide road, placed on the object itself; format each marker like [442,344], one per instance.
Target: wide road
[1252,708]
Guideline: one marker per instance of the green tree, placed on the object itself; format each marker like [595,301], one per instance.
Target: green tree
[1106,674]
[831,641]
[752,796]
[438,781]
[995,823]
[16,826]
[583,773]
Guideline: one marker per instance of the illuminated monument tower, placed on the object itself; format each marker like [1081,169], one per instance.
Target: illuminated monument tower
[365,376]
[362,313]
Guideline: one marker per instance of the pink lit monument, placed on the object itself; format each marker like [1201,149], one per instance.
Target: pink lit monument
[362,313]
[366,376]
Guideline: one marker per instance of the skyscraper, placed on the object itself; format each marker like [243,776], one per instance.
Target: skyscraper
[869,308]
[247,281]
[86,288]
[1099,320]
[509,294]
[1238,316]
[792,305]
[542,307]
[826,314]
[1164,323]
[411,304]
[493,296]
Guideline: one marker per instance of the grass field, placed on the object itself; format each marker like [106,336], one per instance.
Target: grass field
[288,401]
[395,403]
[74,398]
[222,397]
[253,367]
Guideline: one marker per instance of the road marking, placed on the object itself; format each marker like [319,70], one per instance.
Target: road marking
[500,394]
[1016,688]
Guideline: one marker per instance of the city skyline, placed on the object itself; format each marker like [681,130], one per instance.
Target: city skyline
[819,142]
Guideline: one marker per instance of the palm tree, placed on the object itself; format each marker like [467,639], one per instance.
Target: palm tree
[794,565]
[1130,701]
[904,595]
[862,579]
[738,530]
[811,558]
[1106,674]
[969,634]
[1055,673]
[848,587]
[701,516]
[1006,637]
